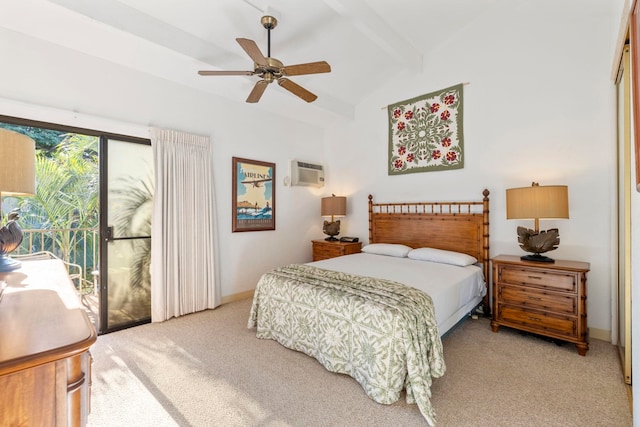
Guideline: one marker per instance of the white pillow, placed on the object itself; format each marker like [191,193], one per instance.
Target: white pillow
[442,256]
[389,249]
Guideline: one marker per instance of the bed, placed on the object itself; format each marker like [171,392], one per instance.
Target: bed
[356,317]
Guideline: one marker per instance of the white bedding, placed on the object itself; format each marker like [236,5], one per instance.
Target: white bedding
[454,290]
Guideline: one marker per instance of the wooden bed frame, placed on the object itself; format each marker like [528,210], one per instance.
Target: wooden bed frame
[461,226]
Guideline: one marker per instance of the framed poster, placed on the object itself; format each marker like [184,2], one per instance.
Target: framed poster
[254,195]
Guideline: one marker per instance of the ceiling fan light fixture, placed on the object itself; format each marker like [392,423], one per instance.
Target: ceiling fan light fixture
[268,77]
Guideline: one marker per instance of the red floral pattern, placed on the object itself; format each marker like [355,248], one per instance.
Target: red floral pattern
[425,133]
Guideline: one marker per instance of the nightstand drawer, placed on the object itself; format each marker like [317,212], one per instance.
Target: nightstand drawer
[323,249]
[327,251]
[544,322]
[539,278]
[534,298]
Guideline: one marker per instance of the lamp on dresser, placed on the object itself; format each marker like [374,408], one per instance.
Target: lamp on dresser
[17,178]
[333,206]
[538,202]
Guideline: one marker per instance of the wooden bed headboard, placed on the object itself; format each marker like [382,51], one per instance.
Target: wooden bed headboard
[460,226]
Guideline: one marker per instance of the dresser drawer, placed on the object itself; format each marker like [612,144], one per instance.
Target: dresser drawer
[543,322]
[543,279]
[536,298]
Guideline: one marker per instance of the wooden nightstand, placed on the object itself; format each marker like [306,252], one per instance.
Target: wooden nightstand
[548,299]
[325,250]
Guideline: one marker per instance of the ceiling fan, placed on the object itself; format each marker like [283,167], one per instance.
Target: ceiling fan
[270,69]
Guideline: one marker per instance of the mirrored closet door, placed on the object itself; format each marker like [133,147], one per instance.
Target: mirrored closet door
[624,185]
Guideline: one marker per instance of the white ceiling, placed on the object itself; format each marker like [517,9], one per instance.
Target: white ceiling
[365,42]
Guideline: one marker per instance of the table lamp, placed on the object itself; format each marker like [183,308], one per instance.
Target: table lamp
[17,178]
[538,202]
[333,206]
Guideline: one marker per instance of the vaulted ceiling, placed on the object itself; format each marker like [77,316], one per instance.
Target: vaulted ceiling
[366,43]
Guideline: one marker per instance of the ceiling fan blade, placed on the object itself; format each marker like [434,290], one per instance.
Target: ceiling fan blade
[225,73]
[253,51]
[309,68]
[257,91]
[297,90]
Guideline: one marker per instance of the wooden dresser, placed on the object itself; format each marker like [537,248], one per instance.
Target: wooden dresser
[323,249]
[45,335]
[543,298]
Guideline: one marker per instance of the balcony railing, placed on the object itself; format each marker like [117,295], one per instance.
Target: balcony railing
[73,245]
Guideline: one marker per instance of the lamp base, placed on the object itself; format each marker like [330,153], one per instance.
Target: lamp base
[331,229]
[537,258]
[8,264]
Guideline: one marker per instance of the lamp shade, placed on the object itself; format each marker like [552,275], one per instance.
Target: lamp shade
[550,201]
[334,206]
[17,164]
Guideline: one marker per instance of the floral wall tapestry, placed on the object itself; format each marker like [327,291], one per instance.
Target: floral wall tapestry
[425,133]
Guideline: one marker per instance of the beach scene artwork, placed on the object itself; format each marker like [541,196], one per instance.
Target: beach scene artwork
[254,191]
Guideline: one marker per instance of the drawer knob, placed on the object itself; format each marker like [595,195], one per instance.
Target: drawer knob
[535,298]
[535,277]
[535,319]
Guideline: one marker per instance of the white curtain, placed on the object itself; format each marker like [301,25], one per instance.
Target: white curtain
[183,235]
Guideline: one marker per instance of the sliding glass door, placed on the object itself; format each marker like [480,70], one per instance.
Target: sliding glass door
[125,233]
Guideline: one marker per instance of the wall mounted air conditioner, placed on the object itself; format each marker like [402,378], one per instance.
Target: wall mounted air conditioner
[308,174]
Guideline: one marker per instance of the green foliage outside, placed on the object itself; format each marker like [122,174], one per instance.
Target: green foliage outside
[66,199]
[46,139]
[66,193]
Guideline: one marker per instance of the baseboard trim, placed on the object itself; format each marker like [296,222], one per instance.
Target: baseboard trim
[238,296]
[600,334]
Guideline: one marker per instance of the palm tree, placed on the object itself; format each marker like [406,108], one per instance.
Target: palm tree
[66,194]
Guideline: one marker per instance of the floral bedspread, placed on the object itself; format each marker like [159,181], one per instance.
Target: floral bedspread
[381,333]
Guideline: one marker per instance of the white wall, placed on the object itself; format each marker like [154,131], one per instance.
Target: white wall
[49,83]
[539,107]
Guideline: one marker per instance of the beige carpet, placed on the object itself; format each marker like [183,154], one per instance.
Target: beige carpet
[207,369]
